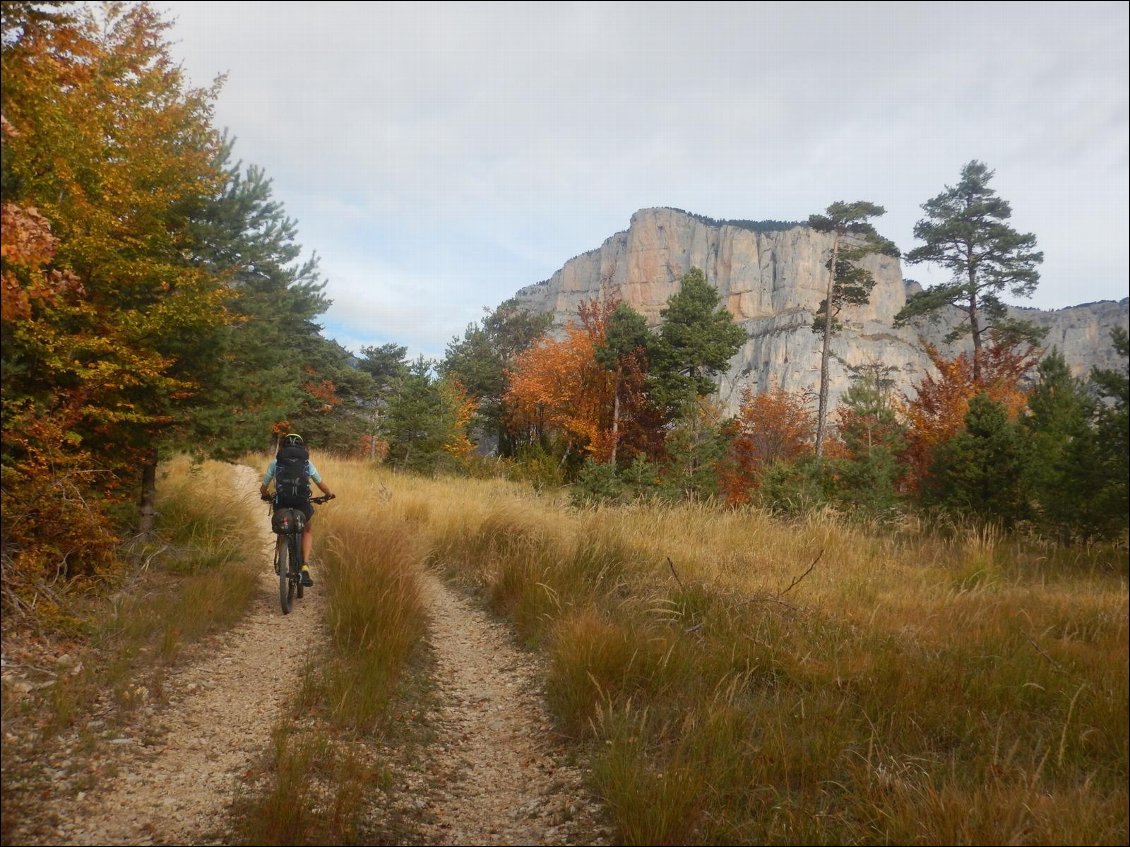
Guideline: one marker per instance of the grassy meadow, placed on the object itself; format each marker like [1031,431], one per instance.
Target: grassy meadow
[737,679]
[731,678]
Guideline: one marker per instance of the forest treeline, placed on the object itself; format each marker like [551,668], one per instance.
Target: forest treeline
[156,301]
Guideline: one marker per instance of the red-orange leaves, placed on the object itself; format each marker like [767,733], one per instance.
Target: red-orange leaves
[27,244]
[558,386]
[937,413]
[777,425]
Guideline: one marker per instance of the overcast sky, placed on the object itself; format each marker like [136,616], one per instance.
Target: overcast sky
[440,156]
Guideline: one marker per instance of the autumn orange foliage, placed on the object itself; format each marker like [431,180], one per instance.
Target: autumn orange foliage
[51,529]
[937,412]
[557,385]
[776,425]
[105,157]
[324,394]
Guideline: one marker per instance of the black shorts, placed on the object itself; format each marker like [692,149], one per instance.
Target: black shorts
[306,508]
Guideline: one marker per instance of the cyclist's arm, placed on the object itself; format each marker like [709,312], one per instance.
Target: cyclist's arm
[316,478]
[267,477]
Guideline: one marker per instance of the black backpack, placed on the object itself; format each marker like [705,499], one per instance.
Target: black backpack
[292,481]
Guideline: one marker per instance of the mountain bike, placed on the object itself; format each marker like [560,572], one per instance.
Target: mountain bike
[288,525]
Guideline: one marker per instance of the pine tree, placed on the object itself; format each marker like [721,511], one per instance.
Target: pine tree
[868,471]
[1114,434]
[982,472]
[421,418]
[853,237]
[1066,460]
[695,343]
[244,237]
[965,231]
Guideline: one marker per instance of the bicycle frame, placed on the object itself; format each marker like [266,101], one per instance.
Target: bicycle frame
[288,526]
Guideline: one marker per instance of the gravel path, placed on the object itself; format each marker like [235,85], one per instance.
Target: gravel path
[498,776]
[219,718]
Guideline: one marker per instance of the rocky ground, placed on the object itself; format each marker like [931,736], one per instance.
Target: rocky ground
[492,771]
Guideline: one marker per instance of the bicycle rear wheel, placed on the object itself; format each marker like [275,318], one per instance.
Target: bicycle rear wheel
[285,586]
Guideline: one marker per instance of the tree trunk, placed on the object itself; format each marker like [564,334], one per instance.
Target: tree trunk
[975,330]
[147,504]
[616,420]
[822,411]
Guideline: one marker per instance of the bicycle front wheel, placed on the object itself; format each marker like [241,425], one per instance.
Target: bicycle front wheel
[285,585]
[295,569]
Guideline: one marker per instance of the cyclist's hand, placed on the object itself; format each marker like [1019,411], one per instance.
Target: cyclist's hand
[266,498]
[331,496]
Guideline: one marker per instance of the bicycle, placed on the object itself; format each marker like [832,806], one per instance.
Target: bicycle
[288,525]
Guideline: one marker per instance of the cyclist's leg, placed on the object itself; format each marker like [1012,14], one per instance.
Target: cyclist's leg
[307,535]
[307,543]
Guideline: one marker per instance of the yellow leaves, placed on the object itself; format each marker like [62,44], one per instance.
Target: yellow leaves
[463,408]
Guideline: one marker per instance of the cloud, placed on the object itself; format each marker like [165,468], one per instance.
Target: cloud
[456,152]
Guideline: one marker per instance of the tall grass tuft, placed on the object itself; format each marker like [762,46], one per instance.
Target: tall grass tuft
[315,793]
[370,559]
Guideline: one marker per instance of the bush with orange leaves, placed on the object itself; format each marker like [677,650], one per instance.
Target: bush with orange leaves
[775,426]
[53,491]
[937,412]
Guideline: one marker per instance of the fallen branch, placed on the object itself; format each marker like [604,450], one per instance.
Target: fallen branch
[797,580]
[1039,650]
[676,575]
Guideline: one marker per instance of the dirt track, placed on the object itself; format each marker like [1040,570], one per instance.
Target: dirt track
[493,775]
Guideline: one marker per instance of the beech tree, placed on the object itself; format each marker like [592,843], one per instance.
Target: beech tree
[557,386]
[965,231]
[853,237]
[112,148]
[481,359]
[773,426]
[623,352]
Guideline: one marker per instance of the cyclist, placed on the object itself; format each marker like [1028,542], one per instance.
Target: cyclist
[292,445]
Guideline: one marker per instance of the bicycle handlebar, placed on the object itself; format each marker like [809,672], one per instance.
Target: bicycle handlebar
[325,498]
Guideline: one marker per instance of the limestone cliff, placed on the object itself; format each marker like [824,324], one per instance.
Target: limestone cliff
[772,279]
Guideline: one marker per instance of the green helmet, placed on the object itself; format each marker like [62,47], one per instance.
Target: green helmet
[292,438]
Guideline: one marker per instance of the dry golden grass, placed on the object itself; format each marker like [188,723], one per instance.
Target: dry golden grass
[740,679]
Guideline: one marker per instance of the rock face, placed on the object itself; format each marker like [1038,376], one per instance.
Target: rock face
[772,280]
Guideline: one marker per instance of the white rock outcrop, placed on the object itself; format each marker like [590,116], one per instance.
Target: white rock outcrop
[772,281]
